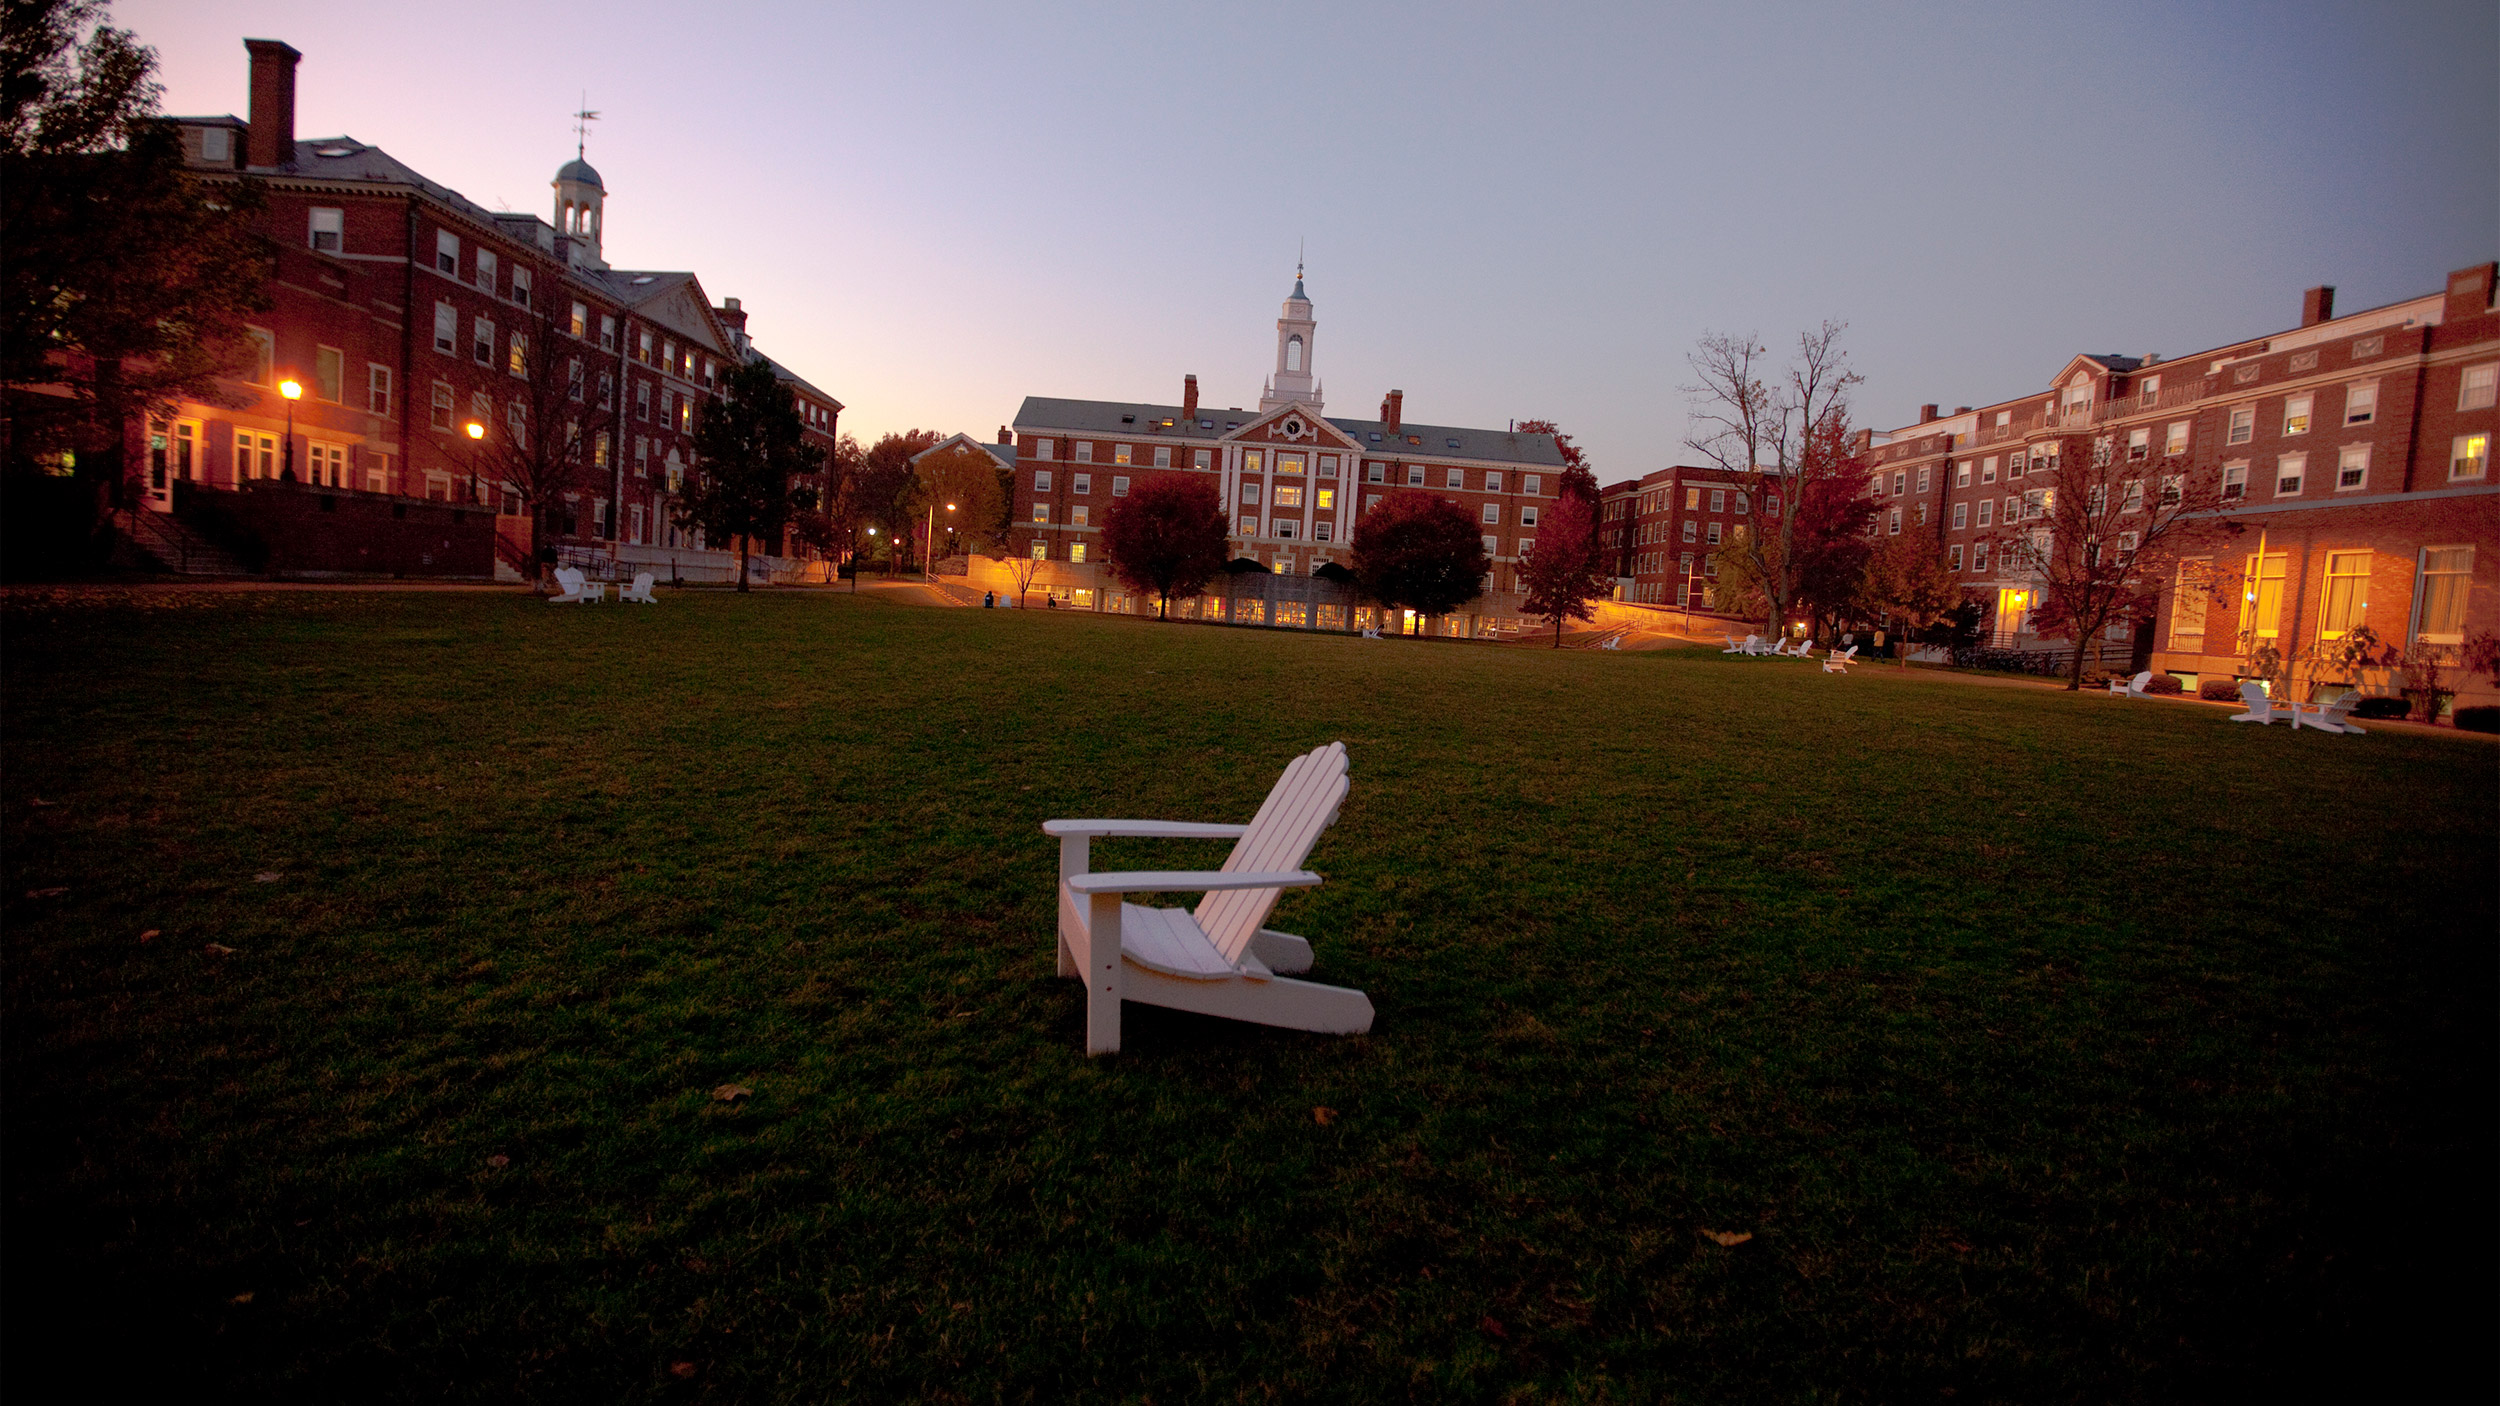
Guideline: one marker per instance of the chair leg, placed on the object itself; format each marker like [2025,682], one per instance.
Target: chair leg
[1102,976]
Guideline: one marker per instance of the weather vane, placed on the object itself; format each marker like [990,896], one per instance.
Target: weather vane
[581,127]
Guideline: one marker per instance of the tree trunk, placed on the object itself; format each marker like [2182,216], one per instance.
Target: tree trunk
[1557,632]
[742,562]
[2074,672]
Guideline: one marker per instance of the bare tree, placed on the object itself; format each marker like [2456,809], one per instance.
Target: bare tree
[1783,429]
[553,428]
[2104,533]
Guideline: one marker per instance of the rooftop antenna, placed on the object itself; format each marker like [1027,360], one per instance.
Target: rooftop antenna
[581,127]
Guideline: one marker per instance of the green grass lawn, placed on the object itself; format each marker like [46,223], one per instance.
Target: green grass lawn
[2050,1048]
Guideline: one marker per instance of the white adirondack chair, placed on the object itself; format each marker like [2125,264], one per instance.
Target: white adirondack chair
[1837,662]
[1371,634]
[2261,709]
[2132,688]
[1805,649]
[1751,644]
[639,591]
[570,581]
[1215,959]
[2333,716]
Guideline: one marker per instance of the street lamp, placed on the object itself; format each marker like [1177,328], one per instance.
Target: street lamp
[293,391]
[477,434]
[928,564]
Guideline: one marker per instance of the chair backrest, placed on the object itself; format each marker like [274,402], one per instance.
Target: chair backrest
[2136,684]
[1303,803]
[642,583]
[570,578]
[2253,694]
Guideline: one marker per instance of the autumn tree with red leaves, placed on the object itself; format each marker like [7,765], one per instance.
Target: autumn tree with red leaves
[1419,552]
[1166,538]
[1564,571]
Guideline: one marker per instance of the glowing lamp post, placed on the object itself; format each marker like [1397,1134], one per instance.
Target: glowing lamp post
[928,564]
[477,436]
[293,391]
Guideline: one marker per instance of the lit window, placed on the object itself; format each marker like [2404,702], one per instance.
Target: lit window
[2296,414]
[1692,500]
[2347,594]
[1080,516]
[1076,551]
[1289,495]
[1119,454]
[519,361]
[1041,512]
[1041,549]
[581,318]
[2262,616]
[2447,578]
[1201,459]
[2177,442]
[2468,456]
[1249,527]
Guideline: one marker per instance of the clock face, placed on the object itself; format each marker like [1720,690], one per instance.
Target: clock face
[1293,428]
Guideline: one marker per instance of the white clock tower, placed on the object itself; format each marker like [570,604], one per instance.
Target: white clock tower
[1291,382]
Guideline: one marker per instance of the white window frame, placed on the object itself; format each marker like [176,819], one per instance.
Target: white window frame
[1082,485]
[2474,448]
[2352,458]
[1119,485]
[327,220]
[1041,480]
[2292,469]
[2478,386]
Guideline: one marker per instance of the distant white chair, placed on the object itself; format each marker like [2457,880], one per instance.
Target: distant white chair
[2132,688]
[639,592]
[2332,716]
[1371,634]
[1735,646]
[1611,642]
[574,587]
[2261,709]
[1805,649]
[1215,959]
[1837,662]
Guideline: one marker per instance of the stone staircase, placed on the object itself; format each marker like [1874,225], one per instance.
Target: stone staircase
[175,545]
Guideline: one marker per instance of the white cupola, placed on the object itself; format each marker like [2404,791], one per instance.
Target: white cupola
[1291,383]
[580,197]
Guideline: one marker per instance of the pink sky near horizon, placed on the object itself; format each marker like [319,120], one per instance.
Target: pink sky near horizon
[934,211]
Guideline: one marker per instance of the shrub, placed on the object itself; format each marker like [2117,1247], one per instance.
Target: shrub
[2382,708]
[2219,690]
[2095,679]
[2479,719]
[2167,684]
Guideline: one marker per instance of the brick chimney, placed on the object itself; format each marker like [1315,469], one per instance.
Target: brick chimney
[732,314]
[2469,291]
[2317,305]
[1189,396]
[1006,435]
[270,141]
[1926,413]
[1393,411]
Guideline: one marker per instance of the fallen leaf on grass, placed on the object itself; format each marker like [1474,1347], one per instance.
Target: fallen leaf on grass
[241,1299]
[681,1369]
[38,801]
[731,1093]
[1957,1247]
[150,935]
[499,1160]
[1323,1116]
[1729,1237]
[219,949]
[1493,1325]
[267,876]
[46,893]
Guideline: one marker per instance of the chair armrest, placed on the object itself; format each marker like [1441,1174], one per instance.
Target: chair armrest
[1188,881]
[1163,829]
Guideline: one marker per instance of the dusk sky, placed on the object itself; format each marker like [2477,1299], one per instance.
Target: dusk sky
[932,211]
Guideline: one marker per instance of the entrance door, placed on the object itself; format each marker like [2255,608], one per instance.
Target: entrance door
[173,453]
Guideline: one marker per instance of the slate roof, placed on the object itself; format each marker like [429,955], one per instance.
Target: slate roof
[1144,420]
[580,170]
[794,378]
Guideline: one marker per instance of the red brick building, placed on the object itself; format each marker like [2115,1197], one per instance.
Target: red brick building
[404,312]
[1666,528]
[2355,449]
[1295,481]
